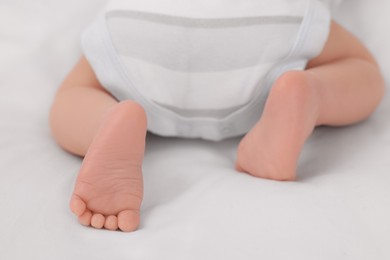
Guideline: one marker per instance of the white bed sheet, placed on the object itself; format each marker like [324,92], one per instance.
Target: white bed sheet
[196,206]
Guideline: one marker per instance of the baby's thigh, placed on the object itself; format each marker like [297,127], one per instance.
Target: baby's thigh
[341,44]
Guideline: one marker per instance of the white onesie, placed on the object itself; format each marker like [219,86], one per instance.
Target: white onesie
[202,68]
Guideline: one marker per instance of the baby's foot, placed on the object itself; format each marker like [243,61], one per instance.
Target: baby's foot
[108,192]
[271,149]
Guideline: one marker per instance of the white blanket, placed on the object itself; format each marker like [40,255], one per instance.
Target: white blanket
[196,206]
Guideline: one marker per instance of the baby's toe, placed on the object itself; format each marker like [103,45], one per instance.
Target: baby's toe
[77,205]
[128,220]
[85,219]
[98,220]
[111,223]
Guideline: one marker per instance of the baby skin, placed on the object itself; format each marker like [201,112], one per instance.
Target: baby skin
[342,86]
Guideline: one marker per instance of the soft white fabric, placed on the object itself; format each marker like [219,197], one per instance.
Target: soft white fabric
[202,68]
[333,4]
[196,206]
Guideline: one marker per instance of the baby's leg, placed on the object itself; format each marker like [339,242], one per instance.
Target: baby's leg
[341,86]
[87,121]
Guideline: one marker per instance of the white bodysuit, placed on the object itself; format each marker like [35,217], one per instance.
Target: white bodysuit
[202,68]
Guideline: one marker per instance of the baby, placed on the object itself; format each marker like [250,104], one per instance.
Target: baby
[267,70]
